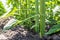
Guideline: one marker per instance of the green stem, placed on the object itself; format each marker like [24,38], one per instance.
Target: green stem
[37,17]
[42,17]
[28,12]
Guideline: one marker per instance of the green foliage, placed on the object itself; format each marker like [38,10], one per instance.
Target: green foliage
[2,9]
[33,13]
[54,29]
[37,17]
[26,9]
[11,13]
[15,3]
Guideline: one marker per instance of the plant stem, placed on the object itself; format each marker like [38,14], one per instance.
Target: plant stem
[42,17]
[37,17]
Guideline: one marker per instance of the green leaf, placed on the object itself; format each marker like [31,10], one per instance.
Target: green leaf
[54,29]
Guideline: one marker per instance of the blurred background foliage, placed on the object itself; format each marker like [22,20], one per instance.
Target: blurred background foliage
[2,9]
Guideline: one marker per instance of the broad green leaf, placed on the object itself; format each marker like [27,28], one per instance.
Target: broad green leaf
[54,29]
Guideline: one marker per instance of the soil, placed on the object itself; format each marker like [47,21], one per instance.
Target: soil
[51,37]
[21,33]
[16,33]
[3,21]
